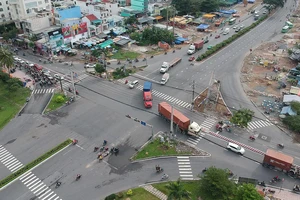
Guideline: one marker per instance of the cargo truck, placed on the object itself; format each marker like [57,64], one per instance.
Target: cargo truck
[167,65]
[147,95]
[184,124]
[277,160]
[196,46]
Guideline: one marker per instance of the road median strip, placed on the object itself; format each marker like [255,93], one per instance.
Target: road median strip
[34,163]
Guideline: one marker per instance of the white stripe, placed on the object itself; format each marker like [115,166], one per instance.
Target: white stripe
[47,195]
[154,92]
[260,123]
[17,167]
[56,198]
[184,163]
[7,157]
[44,193]
[185,169]
[25,183]
[186,175]
[44,188]
[27,178]
[39,181]
[181,102]
[185,172]
[163,95]
[160,94]
[24,175]
[254,125]
[183,166]
[176,102]
[2,149]
[185,104]
[168,97]
[183,160]
[250,126]
[14,162]
[32,182]
[4,153]
[52,197]
[187,179]
[173,99]
[183,157]
[194,143]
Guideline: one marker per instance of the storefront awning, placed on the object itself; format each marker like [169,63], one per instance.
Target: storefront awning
[158,17]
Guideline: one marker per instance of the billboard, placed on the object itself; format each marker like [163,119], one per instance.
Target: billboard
[75,29]
[66,32]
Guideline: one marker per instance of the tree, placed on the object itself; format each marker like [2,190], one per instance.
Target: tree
[99,68]
[6,58]
[209,5]
[242,117]
[247,192]
[168,12]
[131,20]
[182,6]
[215,185]
[292,122]
[177,192]
[295,107]
[275,3]
[31,44]
[10,34]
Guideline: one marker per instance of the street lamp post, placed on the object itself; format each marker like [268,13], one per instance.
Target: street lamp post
[73,85]
[142,123]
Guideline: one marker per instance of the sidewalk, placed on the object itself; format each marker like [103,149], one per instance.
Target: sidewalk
[22,76]
[280,194]
[155,192]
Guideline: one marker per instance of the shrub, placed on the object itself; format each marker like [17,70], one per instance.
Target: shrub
[129,192]
[111,197]
[59,99]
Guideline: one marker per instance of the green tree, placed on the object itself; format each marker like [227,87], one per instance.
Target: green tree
[215,185]
[31,44]
[292,122]
[295,107]
[13,81]
[6,58]
[183,7]
[242,117]
[177,192]
[209,5]
[136,36]
[131,20]
[247,192]
[275,3]
[171,12]
[10,34]
[59,99]
[99,68]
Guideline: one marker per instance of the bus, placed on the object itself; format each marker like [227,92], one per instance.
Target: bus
[232,21]
[285,29]
[289,24]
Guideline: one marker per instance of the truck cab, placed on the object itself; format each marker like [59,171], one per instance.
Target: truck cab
[165,78]
[164,67]
[194,128]
[147,99]
[191,49]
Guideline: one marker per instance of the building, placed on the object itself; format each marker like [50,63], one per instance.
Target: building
[24,9]
[140,5]
[5,11]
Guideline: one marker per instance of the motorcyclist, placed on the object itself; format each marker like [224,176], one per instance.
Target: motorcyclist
[58,184]
[78,177]
[165,176]
[104,142]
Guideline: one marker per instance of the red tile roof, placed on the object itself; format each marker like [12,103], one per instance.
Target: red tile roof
[92,17]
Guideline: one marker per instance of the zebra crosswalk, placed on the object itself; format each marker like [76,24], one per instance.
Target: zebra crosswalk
[208,123]
[33,183]
[67,84]
[43,91]
[185,169]
[195,140]
[259,124]
[163,96]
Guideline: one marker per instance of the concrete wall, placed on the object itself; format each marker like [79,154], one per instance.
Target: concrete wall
[38,23]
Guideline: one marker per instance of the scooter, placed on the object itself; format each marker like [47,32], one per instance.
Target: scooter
[280,146]
[262,184]
[78,177]
[204,170]
[252,138]
[57,184]
[271,191]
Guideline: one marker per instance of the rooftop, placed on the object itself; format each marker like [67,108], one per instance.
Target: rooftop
[91,17]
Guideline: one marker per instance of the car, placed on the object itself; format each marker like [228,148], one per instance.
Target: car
[264,12]
[209,47]
[238,29]
[58,77]
[191,58]
[234,27]
[217,36]
[133,84]
[242,26]
[27,99]
[235,148]
[252,11]
[90,66]
[235,15]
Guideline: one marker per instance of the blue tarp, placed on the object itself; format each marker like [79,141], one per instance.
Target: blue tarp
[203,26]
[181,39]
[228,11]
[287,110]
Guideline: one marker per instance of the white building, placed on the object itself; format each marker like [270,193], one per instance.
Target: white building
[24,9]
[5,14]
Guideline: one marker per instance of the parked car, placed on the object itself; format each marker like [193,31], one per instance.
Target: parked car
[217,36]
[235,15]
[234,27]
[242,26]
[238,29]
[235,148]
[58,77]
[191,58]
[90,66]
[133,84]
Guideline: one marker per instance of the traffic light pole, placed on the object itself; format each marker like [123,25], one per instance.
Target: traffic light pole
[142,123]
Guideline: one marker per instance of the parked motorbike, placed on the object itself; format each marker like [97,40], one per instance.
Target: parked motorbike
[173,51]
[119,62]
[78,177]
[158,169]
[114,150]
[136,60]
[262,184]
[164,177]
[165,53]
[151,56]
[280,146]
[271,191]
[75,142]
[57,184]
[144,59]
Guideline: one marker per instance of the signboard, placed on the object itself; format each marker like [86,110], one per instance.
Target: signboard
[66,32]
[82,28]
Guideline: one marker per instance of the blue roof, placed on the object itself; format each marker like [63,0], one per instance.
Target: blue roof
[203,26]
[71,12]
[287,110]
[251,1]
[228,11]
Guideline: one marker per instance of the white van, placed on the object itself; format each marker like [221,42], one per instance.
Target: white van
[226,31]
[165,78]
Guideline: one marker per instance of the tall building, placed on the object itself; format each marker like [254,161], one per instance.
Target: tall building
[5,14]
[24,9]
[139,5]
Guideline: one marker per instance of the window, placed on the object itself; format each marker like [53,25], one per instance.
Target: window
[0,4]
[1,9]
[46,1]
[2,15]
[7,8]
[6,2]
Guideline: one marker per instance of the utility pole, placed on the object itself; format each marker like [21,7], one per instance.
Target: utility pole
[73,85]
[167,17]
[209,88]
[173,9]
[171,125]
[193,96]
[142,123]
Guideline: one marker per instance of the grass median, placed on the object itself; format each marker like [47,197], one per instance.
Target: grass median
[123,55]
[34,163]
[58,100]
[156,148]
[11,102]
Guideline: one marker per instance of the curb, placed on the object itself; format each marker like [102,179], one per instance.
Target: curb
[167,157]
[48,103]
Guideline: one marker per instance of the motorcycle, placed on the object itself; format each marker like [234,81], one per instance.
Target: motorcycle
[158,169]
[96,149]
[204,170]
[252,137]
[271,191]
[151,56]
[164,177]
[136,60]
[165,53]
[119,62]
[77,93]
[144,59]
[78,177]
[24,54]
[275,180]
[114,150]
[104,143]
[262,184]
[173,51]
[296,188]
[74,142]
[57,184]
[280,146]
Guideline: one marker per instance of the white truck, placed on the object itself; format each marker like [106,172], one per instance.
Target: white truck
[226,31]
[165,78]
[166,65]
